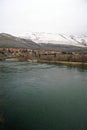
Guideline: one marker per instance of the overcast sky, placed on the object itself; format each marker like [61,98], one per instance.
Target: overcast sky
[54,16]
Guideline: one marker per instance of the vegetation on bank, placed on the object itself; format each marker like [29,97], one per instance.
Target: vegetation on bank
[66,59]
[47,56]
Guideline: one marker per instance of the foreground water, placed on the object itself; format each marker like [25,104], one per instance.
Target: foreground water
[42,97]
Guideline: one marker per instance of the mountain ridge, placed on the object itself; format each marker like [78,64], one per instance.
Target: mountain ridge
[10,41]
[56,38]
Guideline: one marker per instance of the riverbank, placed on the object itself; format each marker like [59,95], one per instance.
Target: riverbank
[43,56]
[64,63]
[69,63]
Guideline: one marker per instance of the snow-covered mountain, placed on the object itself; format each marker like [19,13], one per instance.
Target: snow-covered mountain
[45,41]
[55,38]
[10,41]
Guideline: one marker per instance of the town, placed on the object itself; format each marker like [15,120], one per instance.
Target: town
[23,54]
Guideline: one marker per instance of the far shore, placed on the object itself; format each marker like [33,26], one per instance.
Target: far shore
[64,63]
[47,61]
[43,56]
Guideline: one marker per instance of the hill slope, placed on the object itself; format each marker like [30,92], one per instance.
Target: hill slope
[9,41]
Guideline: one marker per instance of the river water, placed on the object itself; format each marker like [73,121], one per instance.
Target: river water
[42,97]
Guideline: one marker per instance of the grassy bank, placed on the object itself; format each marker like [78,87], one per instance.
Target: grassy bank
[64,63]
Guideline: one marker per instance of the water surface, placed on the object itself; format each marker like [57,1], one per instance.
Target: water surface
[42,97]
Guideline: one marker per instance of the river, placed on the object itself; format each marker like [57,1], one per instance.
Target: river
[37,96]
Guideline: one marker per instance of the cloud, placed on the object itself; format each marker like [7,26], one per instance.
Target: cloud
[61,16]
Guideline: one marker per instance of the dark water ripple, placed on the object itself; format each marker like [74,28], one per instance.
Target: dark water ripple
[42,97]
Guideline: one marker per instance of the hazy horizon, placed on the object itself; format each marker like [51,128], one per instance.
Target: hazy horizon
[19,17]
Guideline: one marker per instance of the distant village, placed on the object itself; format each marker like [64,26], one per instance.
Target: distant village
[23,54]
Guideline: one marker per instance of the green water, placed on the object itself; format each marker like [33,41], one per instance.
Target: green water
[42,97]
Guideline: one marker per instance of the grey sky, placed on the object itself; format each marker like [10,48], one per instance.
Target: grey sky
[55,16]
